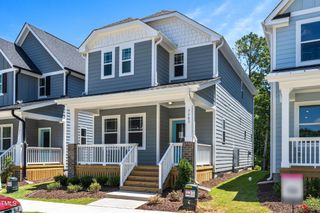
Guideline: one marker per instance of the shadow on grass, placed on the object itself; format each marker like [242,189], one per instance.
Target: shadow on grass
[246,189]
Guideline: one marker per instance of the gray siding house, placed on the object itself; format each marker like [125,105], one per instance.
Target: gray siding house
[160,88]
[292,30]
[35,70]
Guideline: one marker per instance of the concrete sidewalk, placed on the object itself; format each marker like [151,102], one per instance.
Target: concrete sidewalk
[49,207]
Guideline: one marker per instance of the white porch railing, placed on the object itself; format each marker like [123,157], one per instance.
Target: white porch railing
[304,151]
[102,153]
[170,158]
[44,155]
[128,163]
[203,154]
[11,152]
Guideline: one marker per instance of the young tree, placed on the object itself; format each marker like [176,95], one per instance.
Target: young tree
[253,53]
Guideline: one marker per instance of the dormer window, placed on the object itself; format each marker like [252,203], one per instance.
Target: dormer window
[126,61]
[108,66]
[44,87]
[3,83]
[308,41]
[179,68]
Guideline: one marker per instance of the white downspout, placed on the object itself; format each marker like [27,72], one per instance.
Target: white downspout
[216,59]
[156,61]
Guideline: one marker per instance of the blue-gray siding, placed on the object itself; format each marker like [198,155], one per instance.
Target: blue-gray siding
[162,65]
[145,157]
[53,110]
[303,5]
[4,64]
[27,88]
[207,94]
[7,98]
[75,86]
[140,79]
[39,55]
[57,82]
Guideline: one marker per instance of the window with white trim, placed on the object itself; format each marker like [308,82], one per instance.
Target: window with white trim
[5,136]
[126,61]
[42,87]
[179,66]
[309,121]
[83,136]
[108,65]
[136,129]
[111,129]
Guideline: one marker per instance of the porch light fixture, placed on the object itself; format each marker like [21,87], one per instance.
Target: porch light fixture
[170,103]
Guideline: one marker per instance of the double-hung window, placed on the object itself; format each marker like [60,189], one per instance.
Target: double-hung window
[111,129]
[108,65]
[179,66]
[309,121]
[5,136]
[136,129]
[126,61]
[83,136]
[42,87]
[308,46]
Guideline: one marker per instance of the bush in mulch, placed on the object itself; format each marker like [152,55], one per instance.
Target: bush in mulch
[310,205]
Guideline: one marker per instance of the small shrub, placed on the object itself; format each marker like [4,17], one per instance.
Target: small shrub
[185,172]
[311,204]
[257,168]
[62,179]
[114,181]
[102,180]
[74,188]
[155,200]
[277,187]
[86,181]
[174,196]
[53,186]
[8,168]
[312,187]
[94,187]
[74,181]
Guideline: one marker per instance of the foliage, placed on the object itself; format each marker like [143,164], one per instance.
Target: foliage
[86,181]
[174,196]
[62,179]
[311,204]
[53,186]
[114,181]
[155,200]
[277,188]
[257,168]
[8,168]
[185,172]
[102,180]
[74,181]
[253,53]
[94,187]
[74,188]
[312,187]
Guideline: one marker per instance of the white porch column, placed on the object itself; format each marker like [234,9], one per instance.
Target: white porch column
[19,145]
[285,92]
[72,146]
[189,120]
[74,126]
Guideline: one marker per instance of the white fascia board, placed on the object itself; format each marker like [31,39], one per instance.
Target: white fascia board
[7,70]
[7,59]
[297,75]
[279,8]
[281,22]
[36,116]
[38,105]
[202,103]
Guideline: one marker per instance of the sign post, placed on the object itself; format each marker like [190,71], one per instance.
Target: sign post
[292,189]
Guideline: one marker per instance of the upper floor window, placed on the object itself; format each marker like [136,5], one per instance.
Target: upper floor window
[44,86]
[108,66]
[126,61]
[308,42]
[179,66]
[309,121]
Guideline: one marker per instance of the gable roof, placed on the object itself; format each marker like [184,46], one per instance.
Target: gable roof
[278,11]
[63,52]
[16,56]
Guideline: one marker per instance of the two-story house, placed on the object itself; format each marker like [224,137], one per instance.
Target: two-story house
[161,88]
[35,70]
[293,33]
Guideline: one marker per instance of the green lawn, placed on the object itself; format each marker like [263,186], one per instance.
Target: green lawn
[237,195]
[27,189]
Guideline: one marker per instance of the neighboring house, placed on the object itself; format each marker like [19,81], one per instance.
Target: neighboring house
[292,30]
[34,71]
[161,88]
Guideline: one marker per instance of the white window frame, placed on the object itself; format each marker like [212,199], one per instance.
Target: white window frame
[80,135]
[103,51]
[39,135]
[1,135]
[172,65]
[144,132]
[297,106]
[118,127]
[298,42]
[1,84]
[45,89]
[121,74]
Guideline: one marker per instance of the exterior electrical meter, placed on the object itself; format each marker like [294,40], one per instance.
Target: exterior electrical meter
[190,197]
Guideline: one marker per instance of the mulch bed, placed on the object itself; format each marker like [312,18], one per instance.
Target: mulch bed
[269,198]
[171,206]
[63,194]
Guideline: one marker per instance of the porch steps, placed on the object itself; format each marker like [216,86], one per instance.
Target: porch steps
[143,179]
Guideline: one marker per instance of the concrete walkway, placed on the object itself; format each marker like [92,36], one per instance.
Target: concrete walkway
[49,207]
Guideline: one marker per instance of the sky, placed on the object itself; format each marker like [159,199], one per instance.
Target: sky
[73,20]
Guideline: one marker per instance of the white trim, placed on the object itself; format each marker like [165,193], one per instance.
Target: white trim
[274,48]
[103,118]
[45,88]
[305,11]
[7,70]
[126,46]
[80,135]
[39,135]
[153,63]
[170,126]
[38,105]
[282,6]
[86,82]
[144,128]
[14,87]
[1,135]
[103,51]
[7,59]
[273,128]
[296,118]
[299,42]
[25,72]
[58,72]
[172,65]
[158,133]
[36,116]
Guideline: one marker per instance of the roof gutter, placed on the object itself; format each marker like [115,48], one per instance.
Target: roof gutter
[16,86]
